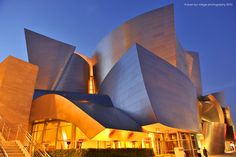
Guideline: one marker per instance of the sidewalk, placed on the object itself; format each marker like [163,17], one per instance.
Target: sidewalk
[225,155]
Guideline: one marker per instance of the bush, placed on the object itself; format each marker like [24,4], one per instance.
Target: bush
[128,152]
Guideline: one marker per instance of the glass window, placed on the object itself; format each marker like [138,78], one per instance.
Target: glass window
[37,136]
[64,133]
[65,124]
[57,134]
[51,125]
[38,127]
[50,135]
[79,134]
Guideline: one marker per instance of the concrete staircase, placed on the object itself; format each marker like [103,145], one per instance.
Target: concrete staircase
[1,154]
[10,145]
[12,149]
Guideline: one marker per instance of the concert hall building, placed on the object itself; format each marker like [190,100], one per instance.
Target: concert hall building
[141,89]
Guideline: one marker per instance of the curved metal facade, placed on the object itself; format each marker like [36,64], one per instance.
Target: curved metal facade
[59,67]
[193,70]
[214,137]
[80,108]
[151,90]
[52,106]
[95,106]
[211,110]
[155,31]
[75,76]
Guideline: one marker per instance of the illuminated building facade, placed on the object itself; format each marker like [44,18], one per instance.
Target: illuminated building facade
[140,90]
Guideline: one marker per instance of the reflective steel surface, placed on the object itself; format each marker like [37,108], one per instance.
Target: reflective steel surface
[59,67]
[75,76]
[53,106]
[151,90]
[211,110]
[230,129]
[98,107]
[194,71]
[155,31]
[214,137]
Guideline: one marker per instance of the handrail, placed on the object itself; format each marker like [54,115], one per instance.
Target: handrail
[32,146]
[4,151]
[19,133]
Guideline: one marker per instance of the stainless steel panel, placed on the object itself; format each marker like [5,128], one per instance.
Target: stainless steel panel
[75,76]
[99,107]
[214,137]
[151,90]
[171,92]
[211,110]
[124,84]
[59,67]
[230,129]
[50,55]
[194,71]
[153,30]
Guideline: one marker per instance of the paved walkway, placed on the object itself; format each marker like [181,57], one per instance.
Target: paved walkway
[224,155]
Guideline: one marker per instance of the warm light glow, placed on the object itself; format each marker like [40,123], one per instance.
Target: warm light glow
[91,81]
[91,84]
[152,138]
[64,136]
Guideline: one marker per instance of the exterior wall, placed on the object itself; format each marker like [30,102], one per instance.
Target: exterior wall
[153,30]
[230,129]
[50,55]
[181,60]
[171,92]
[92,87]
[17,82]
[194,72]
[211,110]
[125,86]
[59,67]
[52,106]
[148,89]
[214,139]
[75,76]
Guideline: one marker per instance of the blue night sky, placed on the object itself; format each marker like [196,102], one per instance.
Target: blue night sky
[209,30]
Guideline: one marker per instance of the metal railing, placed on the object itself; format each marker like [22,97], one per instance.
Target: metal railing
[3,150]
[20,134]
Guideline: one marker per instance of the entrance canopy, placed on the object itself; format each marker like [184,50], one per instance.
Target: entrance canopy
[93,114]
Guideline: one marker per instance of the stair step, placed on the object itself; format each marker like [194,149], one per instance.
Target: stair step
[15,154]
[16,146]
[11,145]
[12,149]
[6,146]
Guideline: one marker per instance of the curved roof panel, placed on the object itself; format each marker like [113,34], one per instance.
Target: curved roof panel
[59,67]
[98,107]
[151,90]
